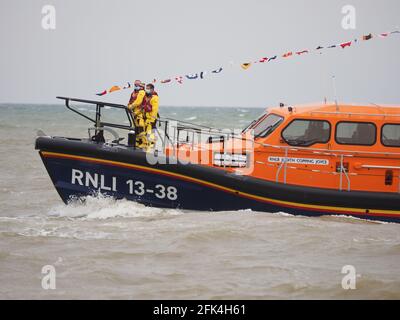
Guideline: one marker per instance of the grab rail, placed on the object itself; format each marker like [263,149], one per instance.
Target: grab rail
[343,170]
[99,105]
[283,164]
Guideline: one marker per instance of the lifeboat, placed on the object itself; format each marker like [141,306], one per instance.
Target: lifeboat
[312,160]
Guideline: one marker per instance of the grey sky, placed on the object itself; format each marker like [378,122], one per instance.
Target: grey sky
[100,43]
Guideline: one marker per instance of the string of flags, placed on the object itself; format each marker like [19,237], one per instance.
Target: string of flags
[179,79]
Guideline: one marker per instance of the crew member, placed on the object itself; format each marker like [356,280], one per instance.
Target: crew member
[135,106]
[150,114]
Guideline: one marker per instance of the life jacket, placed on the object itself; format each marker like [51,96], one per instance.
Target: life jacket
[146,105]
[134,96]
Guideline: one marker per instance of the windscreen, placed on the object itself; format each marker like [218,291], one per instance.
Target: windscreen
[267,125]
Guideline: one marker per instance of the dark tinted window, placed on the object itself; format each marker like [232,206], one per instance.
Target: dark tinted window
[267,125]
[307,132]
[356,133]
[391,135]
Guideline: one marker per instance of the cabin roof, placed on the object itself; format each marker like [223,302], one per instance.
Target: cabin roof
[330,109]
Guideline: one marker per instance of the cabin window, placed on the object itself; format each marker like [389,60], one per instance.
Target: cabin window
[356,133]
[391,135]
[268,125]
[307,132]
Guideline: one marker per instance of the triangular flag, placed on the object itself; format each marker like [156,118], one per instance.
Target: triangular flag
[302,52]
[101,93]
[166,81]
[319,48]
[332,46]
[245,66]
[384,35]
[272,58]
[262,60]
[114,88]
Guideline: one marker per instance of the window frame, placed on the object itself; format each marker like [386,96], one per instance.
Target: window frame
[307,119]
[390,124]
[357,144]
[282,119]
[256,121]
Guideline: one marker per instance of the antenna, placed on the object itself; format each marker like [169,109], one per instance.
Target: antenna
[335,92]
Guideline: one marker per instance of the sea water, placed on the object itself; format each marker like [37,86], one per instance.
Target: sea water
[110,249]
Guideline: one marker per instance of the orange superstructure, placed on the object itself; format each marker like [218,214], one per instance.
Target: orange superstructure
[345,147]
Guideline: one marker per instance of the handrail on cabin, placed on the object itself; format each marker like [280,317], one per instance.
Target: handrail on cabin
[356,114]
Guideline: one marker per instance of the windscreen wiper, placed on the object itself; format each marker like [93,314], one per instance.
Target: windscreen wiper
[268,130]
[301,142]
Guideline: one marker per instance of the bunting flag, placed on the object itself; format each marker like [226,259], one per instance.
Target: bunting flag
[247,65]
[217,70]
[346,44]
[192,76]
[200,75]
[367,37]
[179,79]
[114,88]
[128,85]
[101,93]
[287,55]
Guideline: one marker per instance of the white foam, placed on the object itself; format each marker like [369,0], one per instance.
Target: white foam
[103,207]
[65,232]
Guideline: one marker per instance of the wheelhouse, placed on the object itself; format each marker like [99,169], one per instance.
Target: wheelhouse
[329,146]
[342,126]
